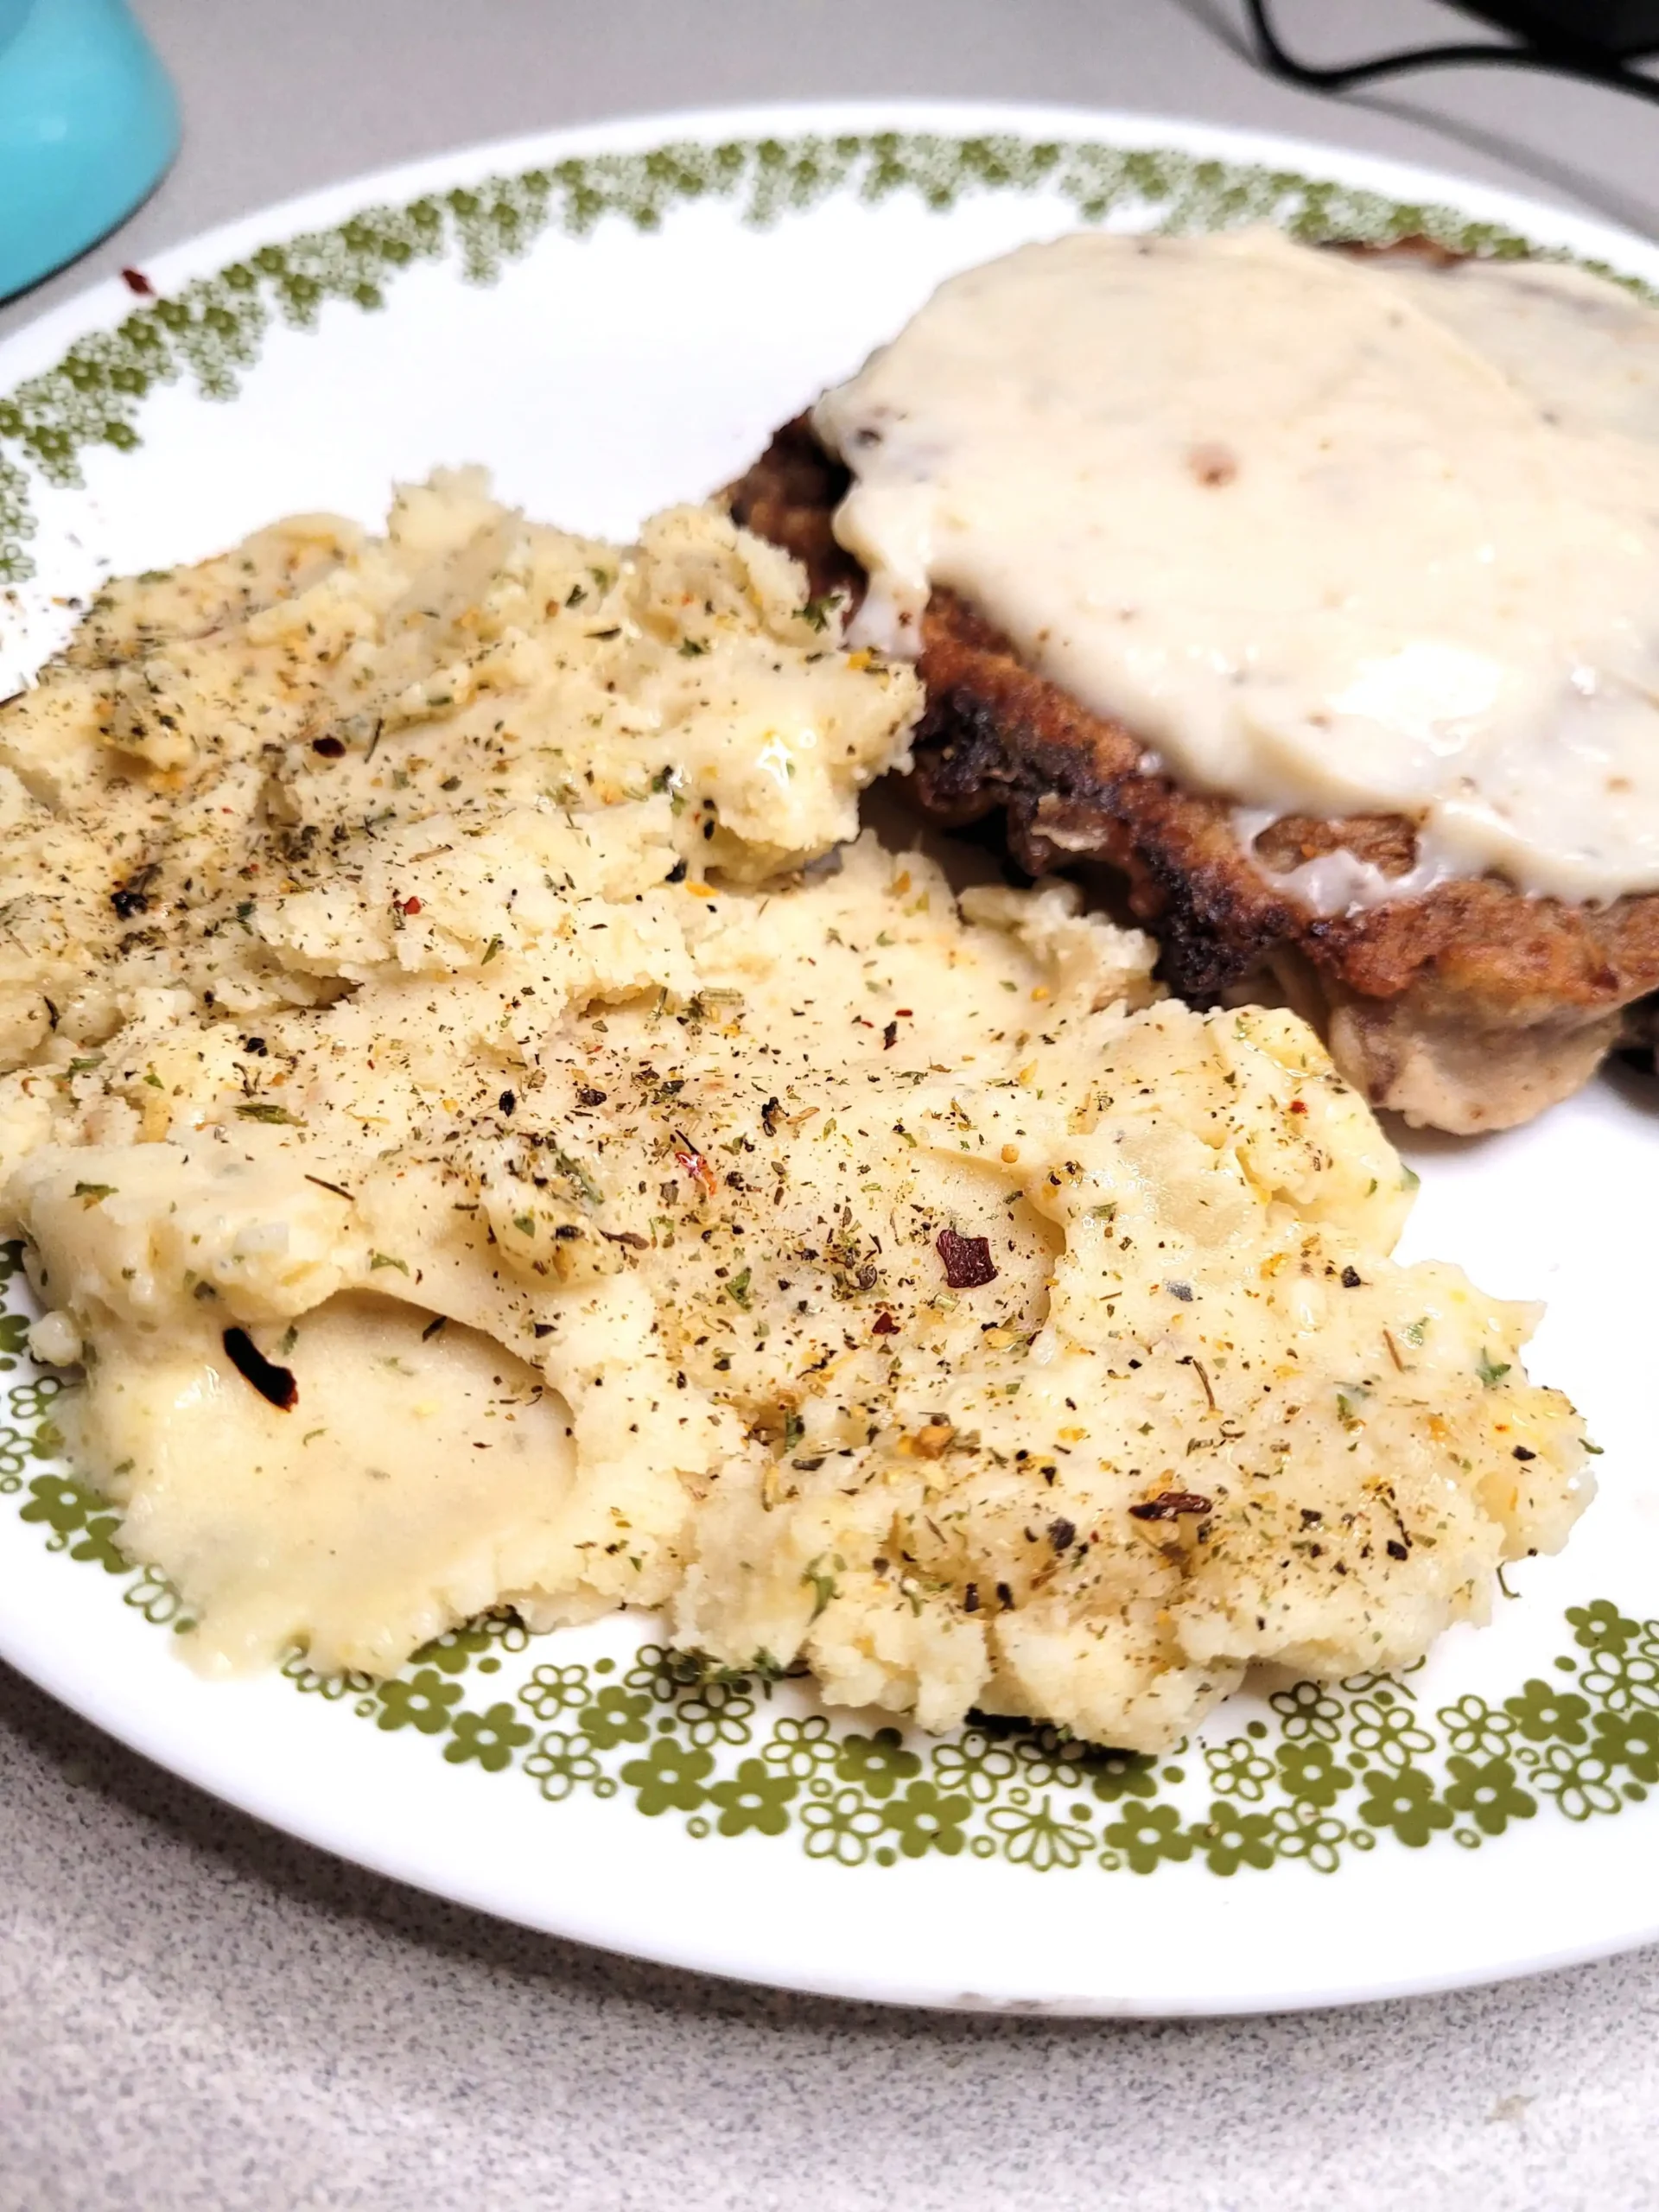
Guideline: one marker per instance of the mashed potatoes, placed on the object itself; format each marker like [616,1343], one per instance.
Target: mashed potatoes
[472,1172]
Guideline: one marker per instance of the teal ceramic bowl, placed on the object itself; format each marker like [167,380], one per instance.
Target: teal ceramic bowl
[88,122]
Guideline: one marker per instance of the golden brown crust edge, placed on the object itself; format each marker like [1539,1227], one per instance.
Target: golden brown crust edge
[1469,1006]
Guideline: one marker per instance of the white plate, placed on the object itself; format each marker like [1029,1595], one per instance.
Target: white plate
[648,316]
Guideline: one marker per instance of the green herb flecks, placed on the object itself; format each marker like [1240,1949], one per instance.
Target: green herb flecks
[574,1171]
[822,1581]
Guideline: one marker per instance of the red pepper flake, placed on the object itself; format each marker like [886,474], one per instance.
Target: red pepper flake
[968,1262]
[690,1161]
[276,1385]
[136,281]
[885,1326]
[411,905]
[1299,1106]
[1169,1505]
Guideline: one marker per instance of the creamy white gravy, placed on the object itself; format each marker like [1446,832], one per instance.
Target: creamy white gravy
[1333,536]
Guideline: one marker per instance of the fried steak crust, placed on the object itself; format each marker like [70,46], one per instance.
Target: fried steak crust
[1468,1006]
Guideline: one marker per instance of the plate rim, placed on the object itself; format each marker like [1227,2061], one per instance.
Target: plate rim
[1135,129]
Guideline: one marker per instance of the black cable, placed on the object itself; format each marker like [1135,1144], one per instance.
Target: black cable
[1283,64]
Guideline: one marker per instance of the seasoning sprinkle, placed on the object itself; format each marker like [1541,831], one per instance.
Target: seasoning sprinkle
[968,1262]
[276,1385]
[1170,1504]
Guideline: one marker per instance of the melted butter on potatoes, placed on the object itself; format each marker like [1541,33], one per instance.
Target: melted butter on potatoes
[473,1173]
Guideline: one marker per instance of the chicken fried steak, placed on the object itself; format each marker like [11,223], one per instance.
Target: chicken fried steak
[1465,1002]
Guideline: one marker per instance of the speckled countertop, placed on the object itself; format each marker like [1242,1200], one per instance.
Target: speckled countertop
[199,2015]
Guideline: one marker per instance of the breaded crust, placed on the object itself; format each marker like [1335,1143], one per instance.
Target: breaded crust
[1469,1006]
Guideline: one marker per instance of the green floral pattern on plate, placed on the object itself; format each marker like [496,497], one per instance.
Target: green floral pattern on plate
[1334,1770]
[215,326]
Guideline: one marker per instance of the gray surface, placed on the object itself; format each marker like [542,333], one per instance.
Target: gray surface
[195,2012]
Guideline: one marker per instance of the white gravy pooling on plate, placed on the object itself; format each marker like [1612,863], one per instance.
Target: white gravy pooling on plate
[1336,536]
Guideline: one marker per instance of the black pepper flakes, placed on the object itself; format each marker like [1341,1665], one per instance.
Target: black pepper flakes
[1170,1505]
[129,898]
[276,1385]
